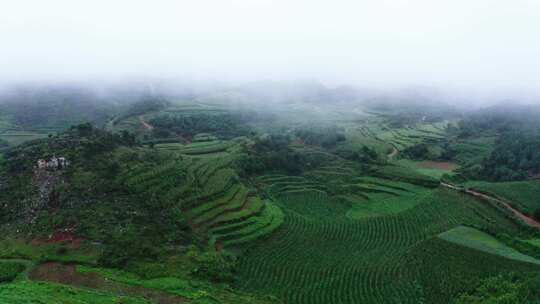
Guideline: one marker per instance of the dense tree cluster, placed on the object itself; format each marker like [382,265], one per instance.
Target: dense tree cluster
[325,136]
[515,288]
[225,125]
[144,105]
[499,120]
[54,108]
[419,151]
[364,155]
[516,156]
[3,144]
[271,152]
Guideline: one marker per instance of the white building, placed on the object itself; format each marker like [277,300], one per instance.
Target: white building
[54,163]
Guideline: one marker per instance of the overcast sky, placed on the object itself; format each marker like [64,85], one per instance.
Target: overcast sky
[459,43]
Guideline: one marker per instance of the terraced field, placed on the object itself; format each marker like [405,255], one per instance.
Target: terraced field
[208,193]
[442,269]
[17,137]
[375,133]
[322,259]
[383,197]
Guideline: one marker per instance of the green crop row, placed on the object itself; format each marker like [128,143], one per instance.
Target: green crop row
[319,257]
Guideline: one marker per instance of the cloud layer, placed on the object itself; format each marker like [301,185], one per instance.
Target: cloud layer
[484,44]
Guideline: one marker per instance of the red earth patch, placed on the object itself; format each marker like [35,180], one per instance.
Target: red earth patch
[438,165]
[68,275]
[61,235]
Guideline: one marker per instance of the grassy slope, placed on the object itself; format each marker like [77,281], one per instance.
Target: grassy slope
[50,293]
[479,240]
[441,269]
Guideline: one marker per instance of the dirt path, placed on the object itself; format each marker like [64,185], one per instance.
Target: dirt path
[484,196]
[146,125]
[68,275]
[393,153]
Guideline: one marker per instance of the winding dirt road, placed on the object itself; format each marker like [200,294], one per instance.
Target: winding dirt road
[527,219]
[393,153]
[146,125]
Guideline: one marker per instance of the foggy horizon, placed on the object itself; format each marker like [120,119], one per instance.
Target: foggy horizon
[483,48]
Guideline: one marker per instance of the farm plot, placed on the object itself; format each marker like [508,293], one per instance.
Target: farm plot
[15,138]
[442,269]
[430,168]
[338,260]
[202,147]
[404,174]
[206,192]
[375,133]
[379,197]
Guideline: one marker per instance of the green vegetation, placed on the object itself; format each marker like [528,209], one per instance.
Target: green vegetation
[212,200]
[3,144]
[189,124]
[513,154]
[50,293]
[479,240]
[14,138]
[444,270]
[523,195]
[507,288]
[9,270]
[385,197]
[326,136]
[400,173]
[333,256]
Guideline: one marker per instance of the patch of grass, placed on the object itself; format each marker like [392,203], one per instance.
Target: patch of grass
[50,293]
[535,242]
[19,249]
[405,174]
[479,240]
[180,283]
[380,204]
[15,138]
[174,285]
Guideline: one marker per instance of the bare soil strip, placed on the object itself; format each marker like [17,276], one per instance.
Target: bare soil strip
[527,219]
[393,153]
[438,165]
[146,125]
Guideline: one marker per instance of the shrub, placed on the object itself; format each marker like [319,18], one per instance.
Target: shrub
[9,271]
[536,214]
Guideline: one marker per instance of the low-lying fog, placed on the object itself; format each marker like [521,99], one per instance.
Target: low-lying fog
[461,52]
